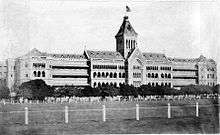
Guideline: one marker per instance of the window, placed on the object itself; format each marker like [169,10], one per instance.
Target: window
[169,75]
[115,75]
[119,75]
[152,75]
[123,75]
[99,74]
[39,65]
[39,73]
[99,84]
[162,75]
[165,75]
[103,74]
[94,74]
[26,75]
[106,74]
[115,84]
[35,74]
[111,75]
[43,74]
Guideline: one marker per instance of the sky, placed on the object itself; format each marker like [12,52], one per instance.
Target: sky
[178,28]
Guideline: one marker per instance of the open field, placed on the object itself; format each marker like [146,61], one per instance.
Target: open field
[87,118]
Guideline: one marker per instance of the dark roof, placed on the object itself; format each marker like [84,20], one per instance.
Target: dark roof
[39,53]
[126,28]
[200,59]
[104,54]
[182,60]
[74,56]
[155,56]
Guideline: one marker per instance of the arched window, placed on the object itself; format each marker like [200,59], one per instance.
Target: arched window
[35,73]
[99,74]
[119,75]
[106,74]
[99,84]
[165,75]
[148,75]
[94,74]
[153,84]
[123,75]
[94,84]
[152,75]
[38,74]
[115,84]
[162,75]
[165,84]
[43,74]
[111,75]
[107,84]
[169,75]
[169,84]
[156,84]
[115,75]
[103,74]
[156,75]
[161,84]
[148,84]
[111,84]
[103,84]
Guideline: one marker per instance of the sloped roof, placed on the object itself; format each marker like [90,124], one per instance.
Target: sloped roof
[183,60]
[35,52]
[200,59]
[104,54]
[155,56]
[126,28]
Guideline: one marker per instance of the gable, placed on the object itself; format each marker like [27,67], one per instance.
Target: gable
[137,55]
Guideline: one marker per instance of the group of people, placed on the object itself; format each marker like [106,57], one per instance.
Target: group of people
[116,98]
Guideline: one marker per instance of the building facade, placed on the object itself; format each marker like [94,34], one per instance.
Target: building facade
[126,65]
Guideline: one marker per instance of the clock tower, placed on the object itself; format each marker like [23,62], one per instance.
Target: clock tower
[126,38]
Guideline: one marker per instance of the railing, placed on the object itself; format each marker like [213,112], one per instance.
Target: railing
[104,111]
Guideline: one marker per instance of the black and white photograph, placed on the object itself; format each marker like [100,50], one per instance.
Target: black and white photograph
[109,67]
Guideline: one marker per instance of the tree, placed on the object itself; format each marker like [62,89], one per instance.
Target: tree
[35,89]
[4,90]
[128,90]
[197,89]
[108,90]
[216,88]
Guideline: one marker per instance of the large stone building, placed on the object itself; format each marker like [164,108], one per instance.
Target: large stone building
[96,68]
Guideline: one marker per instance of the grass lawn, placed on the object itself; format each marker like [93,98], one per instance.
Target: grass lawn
[153,118]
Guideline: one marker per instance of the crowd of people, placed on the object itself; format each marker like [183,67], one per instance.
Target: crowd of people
[115,98]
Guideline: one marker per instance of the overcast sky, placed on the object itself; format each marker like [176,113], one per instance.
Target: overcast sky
[178,28]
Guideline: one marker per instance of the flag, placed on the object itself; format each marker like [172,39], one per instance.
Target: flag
[128,9]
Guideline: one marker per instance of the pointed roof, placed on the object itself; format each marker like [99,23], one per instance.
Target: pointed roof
[126,28]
